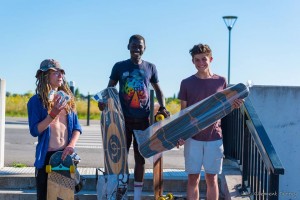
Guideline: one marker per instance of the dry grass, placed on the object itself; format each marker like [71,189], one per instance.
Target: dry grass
[16,106]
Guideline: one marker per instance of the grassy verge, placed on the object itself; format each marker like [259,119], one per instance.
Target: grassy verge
[18,165]
[16,106]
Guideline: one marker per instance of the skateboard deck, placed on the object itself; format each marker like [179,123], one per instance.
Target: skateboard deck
[61,178]
[164,135]
[114,144]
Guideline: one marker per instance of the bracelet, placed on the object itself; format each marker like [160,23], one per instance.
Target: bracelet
[51,115]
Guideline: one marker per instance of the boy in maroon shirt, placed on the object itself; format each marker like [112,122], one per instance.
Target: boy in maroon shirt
[205,148]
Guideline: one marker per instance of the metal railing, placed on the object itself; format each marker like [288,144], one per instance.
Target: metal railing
[246,142]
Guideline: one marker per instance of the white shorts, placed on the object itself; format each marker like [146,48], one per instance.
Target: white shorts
[206,153]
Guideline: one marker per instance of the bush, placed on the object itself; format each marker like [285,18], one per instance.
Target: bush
[81,106]
[16,106]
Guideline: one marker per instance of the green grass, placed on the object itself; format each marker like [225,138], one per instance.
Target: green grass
[16,106]
[18,165]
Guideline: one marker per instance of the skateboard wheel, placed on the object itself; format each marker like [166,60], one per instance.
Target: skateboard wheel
[48,169]
[159,117]
[161,198]
[169,196]
[72,169]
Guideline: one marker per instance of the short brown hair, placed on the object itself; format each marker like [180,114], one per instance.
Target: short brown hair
[200,48]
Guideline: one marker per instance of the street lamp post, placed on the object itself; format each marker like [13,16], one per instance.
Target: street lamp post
[72,87]
[229,21]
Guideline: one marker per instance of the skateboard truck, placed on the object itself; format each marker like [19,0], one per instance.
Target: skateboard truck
[80,180]
[60,167]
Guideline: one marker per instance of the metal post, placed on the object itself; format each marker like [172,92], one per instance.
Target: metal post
[274,186]
[72,85]
[229,55]
[151,106]
[157,161]
[229,21]
[2,120]
[88,109]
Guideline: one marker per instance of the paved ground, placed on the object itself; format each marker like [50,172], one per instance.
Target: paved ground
[20,146]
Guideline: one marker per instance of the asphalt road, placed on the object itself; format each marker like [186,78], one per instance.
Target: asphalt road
[20,146]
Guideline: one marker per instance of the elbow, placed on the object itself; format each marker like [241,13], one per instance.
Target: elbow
[34,134]
[34,131]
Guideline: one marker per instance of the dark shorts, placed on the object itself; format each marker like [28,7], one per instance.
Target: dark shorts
[41,178]
[135,124]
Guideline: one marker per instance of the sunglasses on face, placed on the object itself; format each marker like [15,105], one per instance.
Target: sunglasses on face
[57,73]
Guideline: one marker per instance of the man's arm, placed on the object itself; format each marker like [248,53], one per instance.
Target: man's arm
[111,83]
[160,99]
[71,146]
[159,94]
[183,104]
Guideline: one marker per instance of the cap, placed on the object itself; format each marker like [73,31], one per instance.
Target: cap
[49,64]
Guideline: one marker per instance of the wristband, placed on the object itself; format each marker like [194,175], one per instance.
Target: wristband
[52,115]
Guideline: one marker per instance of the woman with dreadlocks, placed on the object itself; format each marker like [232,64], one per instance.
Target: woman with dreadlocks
[53,120]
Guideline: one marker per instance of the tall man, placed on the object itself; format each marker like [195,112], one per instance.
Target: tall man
[134,76]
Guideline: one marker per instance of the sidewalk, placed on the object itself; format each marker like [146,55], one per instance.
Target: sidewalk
[19,183]
[175,180]
[29,171]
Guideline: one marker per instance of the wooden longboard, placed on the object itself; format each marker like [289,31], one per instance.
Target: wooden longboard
[195,118]
[61,178]
[114,137]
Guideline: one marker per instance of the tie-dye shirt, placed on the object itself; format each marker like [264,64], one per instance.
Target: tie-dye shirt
[134,86]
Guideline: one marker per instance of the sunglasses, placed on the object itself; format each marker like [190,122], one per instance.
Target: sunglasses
[57,73]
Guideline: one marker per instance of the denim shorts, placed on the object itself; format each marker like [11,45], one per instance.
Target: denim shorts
[208,154]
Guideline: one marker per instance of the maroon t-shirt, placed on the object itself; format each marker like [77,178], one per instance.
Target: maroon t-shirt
[193,90]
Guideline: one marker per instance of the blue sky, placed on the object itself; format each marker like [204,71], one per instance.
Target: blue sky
[88,37]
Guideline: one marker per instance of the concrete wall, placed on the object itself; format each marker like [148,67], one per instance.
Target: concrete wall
[2,120]
[278,108]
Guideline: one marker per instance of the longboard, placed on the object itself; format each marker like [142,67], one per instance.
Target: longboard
[61,178]
[114,144]
[164,135]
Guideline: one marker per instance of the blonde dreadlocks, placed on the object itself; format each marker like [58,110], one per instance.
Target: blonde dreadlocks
[43,88]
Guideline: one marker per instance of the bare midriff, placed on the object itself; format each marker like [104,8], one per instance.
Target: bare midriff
[58,132]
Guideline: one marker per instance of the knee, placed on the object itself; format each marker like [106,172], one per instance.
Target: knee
[211,179]
[193,179]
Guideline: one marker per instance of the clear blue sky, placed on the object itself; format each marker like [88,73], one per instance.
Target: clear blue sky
[88,37]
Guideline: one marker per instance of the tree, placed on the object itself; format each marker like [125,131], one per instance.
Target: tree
[77,93]
[29,93]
